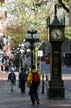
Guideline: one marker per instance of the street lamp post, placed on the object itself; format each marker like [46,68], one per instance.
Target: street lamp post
[32,39]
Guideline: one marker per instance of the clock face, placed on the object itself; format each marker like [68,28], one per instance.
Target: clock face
[56,34]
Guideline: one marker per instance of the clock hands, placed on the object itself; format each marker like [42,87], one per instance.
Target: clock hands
[57,34]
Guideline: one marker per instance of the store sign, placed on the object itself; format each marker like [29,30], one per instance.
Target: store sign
[40,53]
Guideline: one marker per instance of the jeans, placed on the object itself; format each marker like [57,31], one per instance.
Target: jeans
[22,87]
[34,94]
[11,85]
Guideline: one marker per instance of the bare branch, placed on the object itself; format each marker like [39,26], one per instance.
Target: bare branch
[63,5]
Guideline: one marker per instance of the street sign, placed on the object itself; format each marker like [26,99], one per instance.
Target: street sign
[40,53]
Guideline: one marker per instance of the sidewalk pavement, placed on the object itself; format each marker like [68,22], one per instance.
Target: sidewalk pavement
[15,99]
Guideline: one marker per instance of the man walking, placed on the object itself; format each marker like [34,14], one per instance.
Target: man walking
[22,80]
[12,79]
[33,80]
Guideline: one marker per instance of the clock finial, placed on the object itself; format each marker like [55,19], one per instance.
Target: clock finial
[55,9]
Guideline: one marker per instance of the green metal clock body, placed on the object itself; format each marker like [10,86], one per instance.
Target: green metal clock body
[56,37]
[56,84]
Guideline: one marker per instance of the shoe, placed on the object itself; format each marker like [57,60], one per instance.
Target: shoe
[38,102]
[22,92]
[11,90]
[33,103]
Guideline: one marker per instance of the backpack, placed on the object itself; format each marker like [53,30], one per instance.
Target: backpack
[36,78]
[12,77]
[23,76]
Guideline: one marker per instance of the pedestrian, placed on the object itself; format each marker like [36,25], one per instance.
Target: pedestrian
[12,79]
[46,77]
[42,91]
[33,80]
[22,80]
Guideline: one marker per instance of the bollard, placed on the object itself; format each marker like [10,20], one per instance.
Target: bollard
[42,84]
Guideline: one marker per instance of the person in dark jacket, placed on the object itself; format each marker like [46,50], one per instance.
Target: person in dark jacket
[12,78]
[22,80]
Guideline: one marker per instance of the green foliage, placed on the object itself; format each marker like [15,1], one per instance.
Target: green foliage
[68,32]
[28,12]
[16,35]
[1,2]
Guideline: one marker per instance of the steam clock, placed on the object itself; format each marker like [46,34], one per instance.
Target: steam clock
[56,37]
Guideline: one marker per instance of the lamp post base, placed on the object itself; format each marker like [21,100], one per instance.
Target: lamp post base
[56,89]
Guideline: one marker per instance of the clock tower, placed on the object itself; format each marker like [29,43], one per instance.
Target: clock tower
[56,37]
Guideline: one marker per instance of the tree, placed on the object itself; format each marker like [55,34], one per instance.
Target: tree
[29,12]
[26,13]
[63,4]
[1,2]
[68,32]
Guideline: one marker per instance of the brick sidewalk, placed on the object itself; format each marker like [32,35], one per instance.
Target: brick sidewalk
[17,100]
